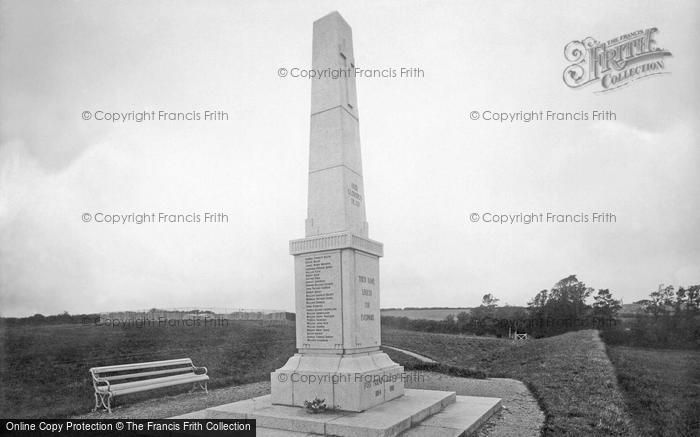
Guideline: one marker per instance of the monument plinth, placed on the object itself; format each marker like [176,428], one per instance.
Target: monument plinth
[336,266]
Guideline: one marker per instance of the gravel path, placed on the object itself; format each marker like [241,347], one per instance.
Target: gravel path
[520,415]
[169,406]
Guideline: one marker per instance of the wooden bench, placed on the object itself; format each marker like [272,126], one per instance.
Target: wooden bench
[123,379]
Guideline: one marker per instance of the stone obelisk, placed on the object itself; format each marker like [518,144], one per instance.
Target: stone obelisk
[336,265]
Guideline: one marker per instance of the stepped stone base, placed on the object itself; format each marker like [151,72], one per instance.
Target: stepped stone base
[345,382]
[417,413]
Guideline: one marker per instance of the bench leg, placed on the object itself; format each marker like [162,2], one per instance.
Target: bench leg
[202,386]
[100,399]
[97,402]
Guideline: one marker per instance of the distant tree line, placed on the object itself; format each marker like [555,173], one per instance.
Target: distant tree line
[55,319]
[671,316]
[672,320]
[550,312]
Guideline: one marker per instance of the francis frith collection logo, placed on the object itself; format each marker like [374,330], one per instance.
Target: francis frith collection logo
[614,63]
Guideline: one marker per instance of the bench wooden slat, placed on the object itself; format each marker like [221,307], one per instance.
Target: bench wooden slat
[197,378]
[147,382]
[134,366]
[144,374]
[180,379]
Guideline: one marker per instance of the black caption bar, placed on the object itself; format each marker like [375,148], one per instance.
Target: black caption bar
[127,427]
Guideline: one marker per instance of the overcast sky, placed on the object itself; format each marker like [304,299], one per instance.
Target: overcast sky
[427,166]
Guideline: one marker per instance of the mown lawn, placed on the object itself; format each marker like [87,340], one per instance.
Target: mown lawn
[662,389]
[44,369]
[570,375]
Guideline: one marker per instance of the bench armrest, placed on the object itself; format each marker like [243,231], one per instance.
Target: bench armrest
[96,380]
[199,368]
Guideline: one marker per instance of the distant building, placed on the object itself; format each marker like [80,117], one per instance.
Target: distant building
[273,317]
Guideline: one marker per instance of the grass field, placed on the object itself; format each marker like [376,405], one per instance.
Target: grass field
[570,375]
[661,388]
[44,369]
[427,313]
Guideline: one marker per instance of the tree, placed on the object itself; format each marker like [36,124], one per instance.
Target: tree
[659,301]
[604,304]
[488,306]
[692,299]
[560,309]
[463,318]
[489,301]
[680,301]
[566,300]
[569,298]
[688,300]
[538,304]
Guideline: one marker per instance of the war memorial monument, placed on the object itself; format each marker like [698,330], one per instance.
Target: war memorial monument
[337,286]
